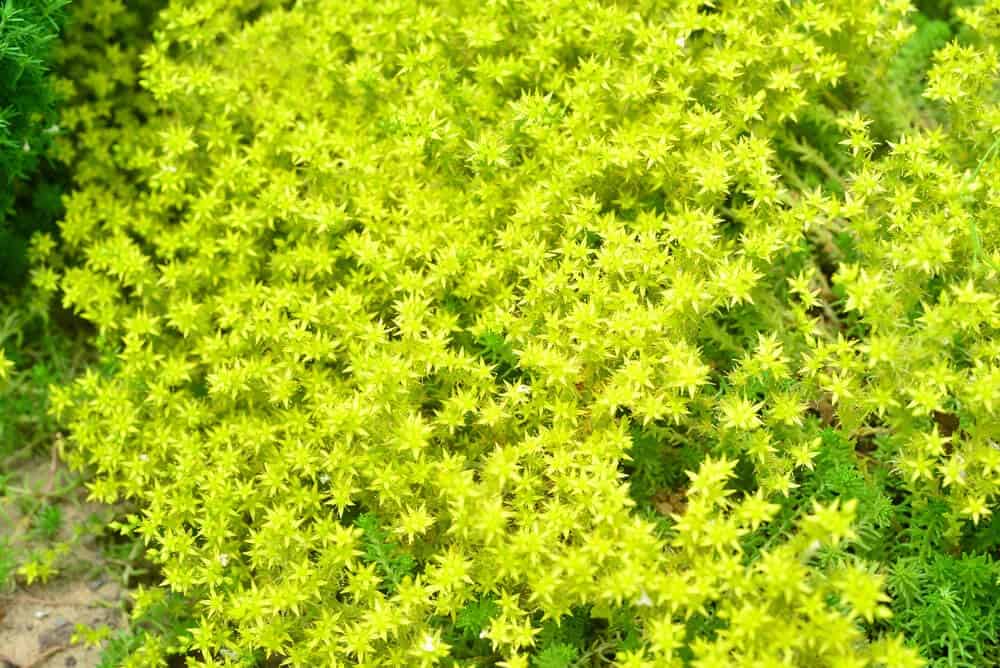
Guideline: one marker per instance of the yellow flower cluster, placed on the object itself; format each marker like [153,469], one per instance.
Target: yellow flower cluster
[435,263]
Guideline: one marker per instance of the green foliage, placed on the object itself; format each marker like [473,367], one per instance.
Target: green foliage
[950,606]
[556,655]
[28,124]
[48,520]
[945,603]
[158,626]
[391,364]
[8,564]
[36,351]
[903,106]
[39,347]
[393,564]
[27,28]
[476,615]
[910,66]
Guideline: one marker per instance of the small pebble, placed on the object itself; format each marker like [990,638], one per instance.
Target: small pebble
[41,614]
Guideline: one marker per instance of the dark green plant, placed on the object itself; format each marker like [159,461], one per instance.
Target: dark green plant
[48,520]
[945,595]
[556,655]
[392,562]
[465,634]
[28,124]
[949,606]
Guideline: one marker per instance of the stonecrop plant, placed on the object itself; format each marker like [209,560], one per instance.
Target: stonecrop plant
[413,314]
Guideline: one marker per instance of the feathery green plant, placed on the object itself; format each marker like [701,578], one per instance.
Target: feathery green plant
[28,124]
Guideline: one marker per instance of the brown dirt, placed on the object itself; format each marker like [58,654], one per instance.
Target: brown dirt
[36,623]
[670,501]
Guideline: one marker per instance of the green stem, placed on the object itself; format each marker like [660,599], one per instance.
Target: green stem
[816,159]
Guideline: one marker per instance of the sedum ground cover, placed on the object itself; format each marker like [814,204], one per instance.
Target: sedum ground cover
[533,333]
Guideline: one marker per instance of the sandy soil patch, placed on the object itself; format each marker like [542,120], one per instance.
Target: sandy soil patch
[36,623]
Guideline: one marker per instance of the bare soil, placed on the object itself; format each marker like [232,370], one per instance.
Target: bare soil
[37,622]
